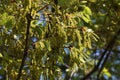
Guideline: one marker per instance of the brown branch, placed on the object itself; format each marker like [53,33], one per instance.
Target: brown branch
[55,2]
[110,45]
[108,54]
[102,65]
[28,16]
[42,8]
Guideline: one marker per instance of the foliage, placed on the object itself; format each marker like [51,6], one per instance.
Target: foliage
[62,37]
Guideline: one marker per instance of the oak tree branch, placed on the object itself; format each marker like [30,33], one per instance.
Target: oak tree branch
[28,17]
[110,45]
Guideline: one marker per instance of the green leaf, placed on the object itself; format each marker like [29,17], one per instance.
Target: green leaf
[81,24]
[89,42]
[3,19]
[1,55]
[82,60]
[87,10]
[86,19]
[94,36]
[87,16]
[9,24]
[47,44]
[39,30]
[106,72]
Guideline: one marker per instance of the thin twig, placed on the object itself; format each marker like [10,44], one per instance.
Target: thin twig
[42,8]
[28,16]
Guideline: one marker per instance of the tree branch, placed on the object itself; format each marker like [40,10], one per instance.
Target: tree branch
[107,55]
[28,16]
[42,8]
[110,45]
[102,65]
